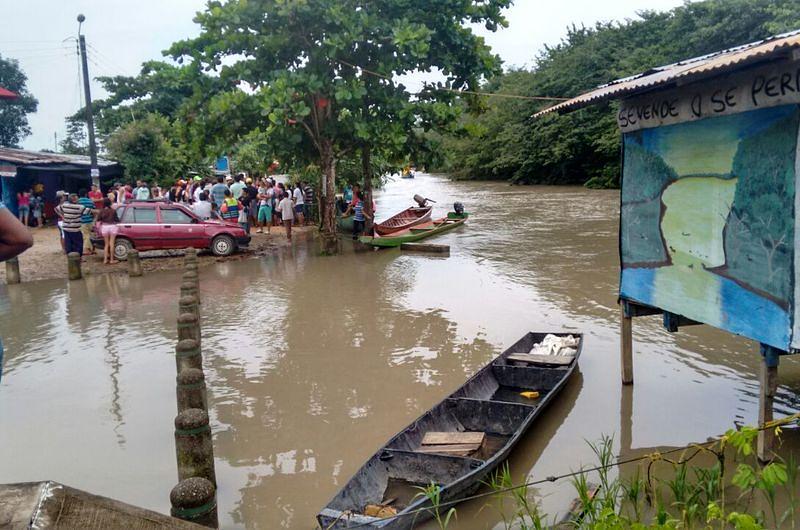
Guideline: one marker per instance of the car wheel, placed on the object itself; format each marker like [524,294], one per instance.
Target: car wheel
[223,245]
[121,249]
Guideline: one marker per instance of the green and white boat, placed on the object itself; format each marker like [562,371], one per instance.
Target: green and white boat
[415,233]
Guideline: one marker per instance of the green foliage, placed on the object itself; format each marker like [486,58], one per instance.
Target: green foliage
[321,72]
[433,492]
[583,146]
[145,150]
[76,141]
[14,113]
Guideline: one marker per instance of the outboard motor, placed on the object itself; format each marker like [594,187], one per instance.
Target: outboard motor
[458,208]
[422,201]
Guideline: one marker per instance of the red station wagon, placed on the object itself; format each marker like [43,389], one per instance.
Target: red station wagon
[162,225]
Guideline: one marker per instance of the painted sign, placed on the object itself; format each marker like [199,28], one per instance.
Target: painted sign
[768,86]
[708,221]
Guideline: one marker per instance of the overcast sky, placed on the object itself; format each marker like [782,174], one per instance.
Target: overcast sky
[123,34]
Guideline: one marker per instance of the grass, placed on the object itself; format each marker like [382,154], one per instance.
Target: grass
[687,494]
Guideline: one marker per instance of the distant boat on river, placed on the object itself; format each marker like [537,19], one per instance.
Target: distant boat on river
[460,441]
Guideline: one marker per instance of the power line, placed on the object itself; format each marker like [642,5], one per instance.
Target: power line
[110,63]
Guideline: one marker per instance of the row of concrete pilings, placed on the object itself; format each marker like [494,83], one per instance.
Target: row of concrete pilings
[194,497]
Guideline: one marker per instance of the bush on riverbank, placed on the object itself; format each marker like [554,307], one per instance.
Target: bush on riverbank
[720,484]
[505,143]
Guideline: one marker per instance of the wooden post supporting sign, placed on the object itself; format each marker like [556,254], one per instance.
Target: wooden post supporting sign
[768,384]
[626,345]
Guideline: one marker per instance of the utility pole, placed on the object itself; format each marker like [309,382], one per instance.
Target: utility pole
[95,170]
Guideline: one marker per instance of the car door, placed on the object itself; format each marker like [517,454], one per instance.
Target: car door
[140,224]
[179,228]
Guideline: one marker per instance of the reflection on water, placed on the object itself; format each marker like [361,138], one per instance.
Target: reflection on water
[312,363]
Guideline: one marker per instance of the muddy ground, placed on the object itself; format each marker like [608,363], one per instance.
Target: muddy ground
[45,259]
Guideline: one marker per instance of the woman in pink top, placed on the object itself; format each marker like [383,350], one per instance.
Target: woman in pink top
[24,206]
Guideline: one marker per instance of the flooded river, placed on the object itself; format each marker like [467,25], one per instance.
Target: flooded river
[313,362]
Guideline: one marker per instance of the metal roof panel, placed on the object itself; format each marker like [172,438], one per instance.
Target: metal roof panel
[683,71]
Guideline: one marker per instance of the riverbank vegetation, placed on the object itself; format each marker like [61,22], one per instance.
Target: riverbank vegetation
[719,484]
[583,147]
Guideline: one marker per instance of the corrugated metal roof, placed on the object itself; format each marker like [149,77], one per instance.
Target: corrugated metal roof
[22,157]
[685,71]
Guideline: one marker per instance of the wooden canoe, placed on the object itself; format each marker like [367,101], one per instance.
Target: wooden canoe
[490,402]
[417,232]
[403,220]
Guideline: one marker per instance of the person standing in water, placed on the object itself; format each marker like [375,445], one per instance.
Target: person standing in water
[286,210]
[359,215]
[107,226]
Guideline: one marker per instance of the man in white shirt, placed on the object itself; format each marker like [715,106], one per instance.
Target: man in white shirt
[286,209]
[238,187]
[299,201]
[142,192]
[202,206]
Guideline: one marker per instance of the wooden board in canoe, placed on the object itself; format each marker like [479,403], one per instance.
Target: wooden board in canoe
[405,219]
[490,402]
[415,233]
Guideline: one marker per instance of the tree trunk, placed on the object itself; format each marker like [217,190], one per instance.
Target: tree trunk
[330,242]
[366,167]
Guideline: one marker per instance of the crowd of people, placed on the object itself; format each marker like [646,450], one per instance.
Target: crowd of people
[261,204]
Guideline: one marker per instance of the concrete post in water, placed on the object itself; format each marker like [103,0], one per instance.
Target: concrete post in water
[193,447]
[188,327]
[12,270]
[134,263]
[189,304]
[187,355]
[191,277]
[195,500]
[191,390]
[74,266]
[189,289]
[190,256]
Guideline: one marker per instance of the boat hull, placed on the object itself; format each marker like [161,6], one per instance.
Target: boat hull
[418,232]
[404,220]
[489,402]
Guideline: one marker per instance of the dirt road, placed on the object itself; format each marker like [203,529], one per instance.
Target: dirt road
[45,260]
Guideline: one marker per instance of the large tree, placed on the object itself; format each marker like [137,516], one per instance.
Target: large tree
[506,143]
[14,113]
[324,70]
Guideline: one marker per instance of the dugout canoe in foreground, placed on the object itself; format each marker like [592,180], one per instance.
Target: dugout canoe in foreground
[460,441]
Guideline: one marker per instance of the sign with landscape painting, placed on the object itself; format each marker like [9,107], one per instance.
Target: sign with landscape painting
[708,225]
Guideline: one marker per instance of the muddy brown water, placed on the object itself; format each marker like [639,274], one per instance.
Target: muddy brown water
[314,362]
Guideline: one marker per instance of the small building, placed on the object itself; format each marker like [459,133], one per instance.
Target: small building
[50,172]
[710,214]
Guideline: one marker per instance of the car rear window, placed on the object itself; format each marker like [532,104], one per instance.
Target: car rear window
[175,216]
[134,214]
